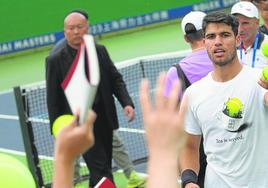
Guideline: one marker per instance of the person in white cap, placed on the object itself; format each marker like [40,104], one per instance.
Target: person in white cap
[263,9]
[251,39]
[192,68]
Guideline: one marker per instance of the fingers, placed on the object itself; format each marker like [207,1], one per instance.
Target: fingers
[145,98]
[159,100]
[129,113]
[183,110]
[173,98]
[73,123]
[263,83]
[126,111]
[91,117]
[132,116]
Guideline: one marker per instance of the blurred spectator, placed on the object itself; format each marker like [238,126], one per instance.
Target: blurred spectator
[251,38]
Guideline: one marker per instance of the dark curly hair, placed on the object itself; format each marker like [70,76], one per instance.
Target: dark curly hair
[221,17]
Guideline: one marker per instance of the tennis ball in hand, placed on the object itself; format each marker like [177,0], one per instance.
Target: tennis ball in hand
[61,122]
[234,107]
[264,48]
[265,73]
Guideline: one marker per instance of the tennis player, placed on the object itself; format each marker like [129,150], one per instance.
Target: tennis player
[236,147]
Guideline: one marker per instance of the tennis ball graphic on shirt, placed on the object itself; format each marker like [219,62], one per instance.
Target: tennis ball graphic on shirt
[233,107]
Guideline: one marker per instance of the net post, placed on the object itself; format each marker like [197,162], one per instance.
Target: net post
[25,134]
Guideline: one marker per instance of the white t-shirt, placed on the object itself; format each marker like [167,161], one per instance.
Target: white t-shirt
[237,159]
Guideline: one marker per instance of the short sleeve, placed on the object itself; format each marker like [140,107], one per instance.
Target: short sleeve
[171,78]
[191,124]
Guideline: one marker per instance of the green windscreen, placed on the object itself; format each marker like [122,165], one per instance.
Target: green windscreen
[21,19]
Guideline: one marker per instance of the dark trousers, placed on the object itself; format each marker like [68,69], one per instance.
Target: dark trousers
[203,165]
[99,157]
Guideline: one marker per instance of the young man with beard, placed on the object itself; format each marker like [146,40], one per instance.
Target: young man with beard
[235,145]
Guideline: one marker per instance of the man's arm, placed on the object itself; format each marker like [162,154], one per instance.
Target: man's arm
[71,142]
[118,85]
[163,124]
[189,160]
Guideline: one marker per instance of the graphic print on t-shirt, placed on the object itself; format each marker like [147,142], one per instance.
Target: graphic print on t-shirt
[232,115]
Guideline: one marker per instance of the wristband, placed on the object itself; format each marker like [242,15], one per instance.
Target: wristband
[188,176]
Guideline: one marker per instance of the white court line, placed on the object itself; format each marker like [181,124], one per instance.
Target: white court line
[8,117]
[14,152]
[131,130]
[23,154]
[20,153]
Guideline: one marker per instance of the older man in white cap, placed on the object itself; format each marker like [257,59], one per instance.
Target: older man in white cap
[251,39]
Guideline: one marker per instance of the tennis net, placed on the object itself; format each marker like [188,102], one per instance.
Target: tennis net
[33,115]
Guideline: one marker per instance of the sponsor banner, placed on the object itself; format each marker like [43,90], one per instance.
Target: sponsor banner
[30,43]
[141,20]
[115,25]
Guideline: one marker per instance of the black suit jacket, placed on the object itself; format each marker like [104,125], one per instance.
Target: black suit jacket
[111,83]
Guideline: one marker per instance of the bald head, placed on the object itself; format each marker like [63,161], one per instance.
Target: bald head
[75,15]
[75,26]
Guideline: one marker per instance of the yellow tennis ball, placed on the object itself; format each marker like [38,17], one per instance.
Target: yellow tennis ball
[264,48]
[13,173]
[61,122]
[234,107]
[265,73]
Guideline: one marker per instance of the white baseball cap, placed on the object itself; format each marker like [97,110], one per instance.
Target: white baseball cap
[245,8]
[193,17]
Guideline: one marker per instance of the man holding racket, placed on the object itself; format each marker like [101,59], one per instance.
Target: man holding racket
[98,158]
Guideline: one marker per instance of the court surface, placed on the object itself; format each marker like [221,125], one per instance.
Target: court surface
[11,138]
[30,67]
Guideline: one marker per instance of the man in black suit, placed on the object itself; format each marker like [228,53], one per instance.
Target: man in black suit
[98,158]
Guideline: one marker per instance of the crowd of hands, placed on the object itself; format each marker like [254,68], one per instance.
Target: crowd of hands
[163,122]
